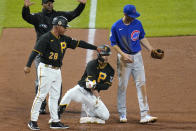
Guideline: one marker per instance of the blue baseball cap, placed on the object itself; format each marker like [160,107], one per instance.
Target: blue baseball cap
[130,10]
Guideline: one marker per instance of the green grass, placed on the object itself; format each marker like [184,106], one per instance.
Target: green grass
[159,17]
[2,16]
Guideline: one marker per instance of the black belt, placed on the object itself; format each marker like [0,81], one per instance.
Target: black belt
[51,66]
[132,53]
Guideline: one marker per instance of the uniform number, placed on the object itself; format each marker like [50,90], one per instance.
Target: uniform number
[53,56]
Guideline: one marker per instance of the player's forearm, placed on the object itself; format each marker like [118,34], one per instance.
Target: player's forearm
[27,16]
[83,44]
[25,12]
[31,58]
[77,11]
[118,50]
[95,92]
[146,44]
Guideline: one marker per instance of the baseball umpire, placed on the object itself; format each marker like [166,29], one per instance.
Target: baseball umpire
[126,35]
[97,76]
[51,46]
[42,22]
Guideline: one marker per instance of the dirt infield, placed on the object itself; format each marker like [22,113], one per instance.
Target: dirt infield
[171,84]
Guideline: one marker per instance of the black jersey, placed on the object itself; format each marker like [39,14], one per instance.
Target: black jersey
[52,49]
[103,75]
[42,21]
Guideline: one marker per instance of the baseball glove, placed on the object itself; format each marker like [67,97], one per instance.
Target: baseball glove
[157,54]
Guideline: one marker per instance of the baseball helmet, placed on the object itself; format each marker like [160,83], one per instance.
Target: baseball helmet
[61,21]
[105,50]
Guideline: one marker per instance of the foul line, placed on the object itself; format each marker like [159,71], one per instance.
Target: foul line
[92,30]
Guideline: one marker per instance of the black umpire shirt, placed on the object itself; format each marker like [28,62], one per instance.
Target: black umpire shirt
[52,49]
[102,75]
[42,21]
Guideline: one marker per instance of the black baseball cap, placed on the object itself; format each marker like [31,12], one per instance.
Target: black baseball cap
[46,1]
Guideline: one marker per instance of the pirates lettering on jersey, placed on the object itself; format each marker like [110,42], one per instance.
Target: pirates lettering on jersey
[135,35]
[102,76]
[63,46]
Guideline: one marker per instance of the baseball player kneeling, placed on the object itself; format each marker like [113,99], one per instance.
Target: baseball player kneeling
[97,76]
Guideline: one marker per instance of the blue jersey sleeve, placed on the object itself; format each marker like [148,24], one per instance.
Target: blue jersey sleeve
[113,36]
[142,32]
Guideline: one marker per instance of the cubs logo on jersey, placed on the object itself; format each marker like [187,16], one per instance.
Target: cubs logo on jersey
[135,35]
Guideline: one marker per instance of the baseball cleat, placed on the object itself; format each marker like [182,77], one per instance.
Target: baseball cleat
[42,111]
[91,120]
[148,119]
[85,120]
[123,119]
[33,125]
[50,121]
[58,125]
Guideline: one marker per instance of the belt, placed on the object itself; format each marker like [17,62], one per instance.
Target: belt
[132,53]
[51,66]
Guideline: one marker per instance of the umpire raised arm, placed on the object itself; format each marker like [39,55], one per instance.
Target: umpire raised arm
[42,22]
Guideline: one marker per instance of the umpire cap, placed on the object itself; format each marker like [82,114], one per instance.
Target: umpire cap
[46,1]
[61,21]
[105,50]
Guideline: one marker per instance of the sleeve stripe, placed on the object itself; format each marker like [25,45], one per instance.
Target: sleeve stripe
[90,76]
[78,43]
[108,83]
[37,51]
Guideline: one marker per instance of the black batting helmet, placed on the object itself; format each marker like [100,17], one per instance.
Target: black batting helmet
[105,50]
[61,21]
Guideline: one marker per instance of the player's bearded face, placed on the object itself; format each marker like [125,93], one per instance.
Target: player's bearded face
[48,6]
[61,30]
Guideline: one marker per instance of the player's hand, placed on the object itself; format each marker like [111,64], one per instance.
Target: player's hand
[28,3]
[97,102]
[127,58]
[98,99]
[82,1]
[27,70]
[99,49]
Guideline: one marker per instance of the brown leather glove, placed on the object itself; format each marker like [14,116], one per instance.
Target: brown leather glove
[157,54]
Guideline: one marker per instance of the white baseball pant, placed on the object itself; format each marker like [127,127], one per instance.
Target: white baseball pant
[49,82]
[125,70]
[79,94]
